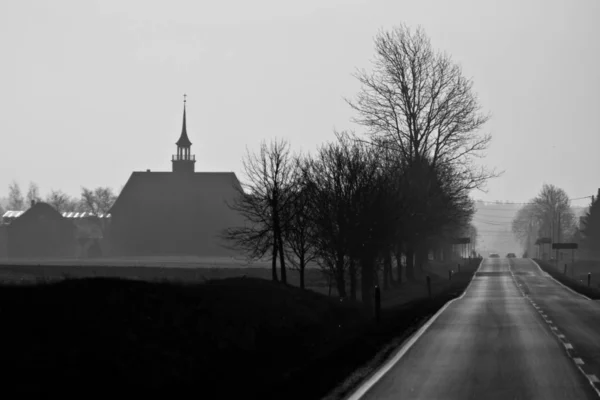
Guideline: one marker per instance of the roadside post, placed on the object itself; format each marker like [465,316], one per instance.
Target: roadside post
[566,246]
[429,286]
[377,304]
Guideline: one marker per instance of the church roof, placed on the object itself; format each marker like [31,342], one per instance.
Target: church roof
[204,189]
[184,141]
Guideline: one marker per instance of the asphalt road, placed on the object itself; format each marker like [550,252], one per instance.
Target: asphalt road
[576,319]
[490,344]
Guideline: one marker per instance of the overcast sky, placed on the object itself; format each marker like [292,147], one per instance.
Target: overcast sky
[92,90]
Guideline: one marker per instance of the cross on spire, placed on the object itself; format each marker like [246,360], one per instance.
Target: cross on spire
[184,98]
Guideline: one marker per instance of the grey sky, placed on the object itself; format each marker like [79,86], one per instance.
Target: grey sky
[92,90]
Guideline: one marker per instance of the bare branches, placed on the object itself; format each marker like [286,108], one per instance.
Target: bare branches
[16,202]
[419,100]
[98,201]
[548,215]
[265,199]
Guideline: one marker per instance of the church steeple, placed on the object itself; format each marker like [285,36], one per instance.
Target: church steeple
[184,161]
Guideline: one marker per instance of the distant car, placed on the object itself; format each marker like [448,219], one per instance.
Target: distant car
[511,255]
[494,255]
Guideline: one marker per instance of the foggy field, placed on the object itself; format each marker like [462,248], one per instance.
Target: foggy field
[161,338]
[146,261]
[202,269]
[580,270]
[576,278]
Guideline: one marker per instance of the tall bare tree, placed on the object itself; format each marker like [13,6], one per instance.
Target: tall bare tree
[549,214]
[418,100]
[417,103]
[264,200]
[553,211]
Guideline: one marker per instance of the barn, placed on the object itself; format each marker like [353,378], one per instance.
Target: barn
[41,231]
[181,212]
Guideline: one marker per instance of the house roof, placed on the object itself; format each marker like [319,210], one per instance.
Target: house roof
[39,209]
[171,188]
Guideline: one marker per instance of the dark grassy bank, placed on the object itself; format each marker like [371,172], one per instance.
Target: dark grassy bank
[575,284]
[230,337]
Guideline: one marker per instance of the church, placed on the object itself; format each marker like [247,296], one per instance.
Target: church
[181,212]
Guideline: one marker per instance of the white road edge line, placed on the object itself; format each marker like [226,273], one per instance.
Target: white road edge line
[550,276]
[365,387]
[592,379]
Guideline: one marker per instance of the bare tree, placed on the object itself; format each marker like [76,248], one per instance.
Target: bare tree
[328,182]
[300,232]
[419,101]
[59,200]
[353,211]
[553,211]
[98,201]
[549,215]
[525,226]
[16,202]
[33,193]
[264,200]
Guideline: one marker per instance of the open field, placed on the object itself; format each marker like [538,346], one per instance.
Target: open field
[140,338]
[576,280]
[580,269]
[201,269]
[148,261]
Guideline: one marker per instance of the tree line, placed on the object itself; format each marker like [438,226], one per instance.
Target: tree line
[363,203]
[550,215]
[96,201]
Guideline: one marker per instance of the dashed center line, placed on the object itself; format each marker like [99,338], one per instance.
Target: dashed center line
[579,363]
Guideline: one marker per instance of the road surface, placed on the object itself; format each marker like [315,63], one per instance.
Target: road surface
[490,344]
[576,319]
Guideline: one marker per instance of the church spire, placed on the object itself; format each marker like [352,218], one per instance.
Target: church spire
[183,161]
[184,141]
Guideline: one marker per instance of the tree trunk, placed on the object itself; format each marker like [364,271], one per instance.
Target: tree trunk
[339,277]
[282,259]
[302,266]
[387,270]
[410,263]
[352,273]
[274,261]
[367,276]
[421,256]
[398,257]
